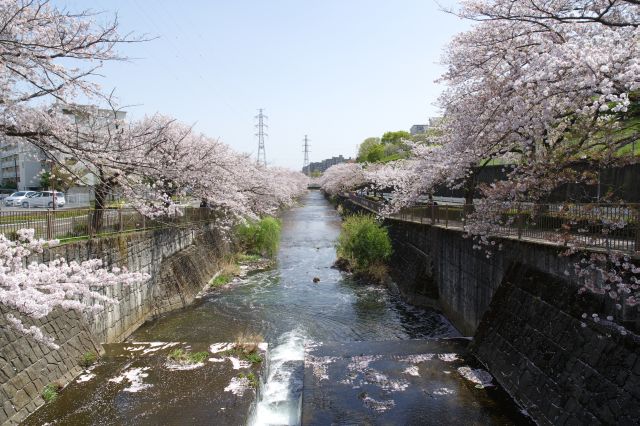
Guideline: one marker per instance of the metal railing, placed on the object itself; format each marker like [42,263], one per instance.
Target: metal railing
[90,223]
[597,226]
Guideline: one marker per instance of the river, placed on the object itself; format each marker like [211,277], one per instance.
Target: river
[287,308]
[283,305]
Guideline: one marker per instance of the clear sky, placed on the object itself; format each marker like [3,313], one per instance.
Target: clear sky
[337,70]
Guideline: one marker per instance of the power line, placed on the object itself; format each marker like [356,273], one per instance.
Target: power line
[305,165]
[262,154]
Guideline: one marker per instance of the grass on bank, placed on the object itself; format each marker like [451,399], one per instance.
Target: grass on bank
[181,356]
[246,347]
[87,359]
[50,392]
[251,378]
[364,245]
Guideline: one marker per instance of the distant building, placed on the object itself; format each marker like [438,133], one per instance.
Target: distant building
[322,166]
[419,129]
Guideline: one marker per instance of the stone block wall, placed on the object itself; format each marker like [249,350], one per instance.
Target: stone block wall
[563,368]
[180,261]
[27,366]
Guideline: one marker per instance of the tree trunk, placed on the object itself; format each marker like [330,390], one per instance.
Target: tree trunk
[101,193]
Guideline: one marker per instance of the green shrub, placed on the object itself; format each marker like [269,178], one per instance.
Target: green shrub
[253,357]
[198,357]
[364,244]
[50,392]
[80,229]
[247,258]
[87,359]
[11,235]
[260,237]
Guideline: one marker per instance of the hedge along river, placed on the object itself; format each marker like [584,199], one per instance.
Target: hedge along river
[283,305]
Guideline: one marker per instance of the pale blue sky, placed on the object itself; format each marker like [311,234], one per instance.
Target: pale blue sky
[337,70]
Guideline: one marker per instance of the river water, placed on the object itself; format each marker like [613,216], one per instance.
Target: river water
[287,308]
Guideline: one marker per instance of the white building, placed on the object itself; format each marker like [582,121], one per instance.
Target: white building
[20,164]
[91,121]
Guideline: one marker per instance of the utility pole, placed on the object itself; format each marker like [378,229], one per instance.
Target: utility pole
[305,165]
[262,154]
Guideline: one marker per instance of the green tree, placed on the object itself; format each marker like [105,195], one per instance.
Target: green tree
[370,150]
[395,137]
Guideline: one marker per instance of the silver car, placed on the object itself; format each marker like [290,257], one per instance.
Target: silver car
[44,199]
[17,198]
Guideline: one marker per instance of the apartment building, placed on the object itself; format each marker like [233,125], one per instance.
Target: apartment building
[21,164]
[322,166]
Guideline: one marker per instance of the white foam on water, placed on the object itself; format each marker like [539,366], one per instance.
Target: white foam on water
[220,347]
[178,366]
[85,377]
[277,404]
[478,375]
[134,376]
[412,370]
[238,385]
[238,363]
[448,357]
[443,391]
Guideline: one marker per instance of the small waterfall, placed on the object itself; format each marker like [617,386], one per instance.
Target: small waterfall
[281,393]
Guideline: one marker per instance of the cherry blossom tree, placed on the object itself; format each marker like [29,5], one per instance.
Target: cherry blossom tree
[551,88]
[342,177]
[48,60]
[35,289]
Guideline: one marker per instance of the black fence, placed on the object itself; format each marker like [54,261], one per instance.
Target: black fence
[589,225]
[89,223]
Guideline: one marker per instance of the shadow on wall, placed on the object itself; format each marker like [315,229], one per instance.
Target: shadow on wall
[555,361]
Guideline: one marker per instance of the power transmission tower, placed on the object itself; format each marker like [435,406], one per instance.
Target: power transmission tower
[262,154]
[305,165]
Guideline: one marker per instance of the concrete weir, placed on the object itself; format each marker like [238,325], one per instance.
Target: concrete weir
[410,382]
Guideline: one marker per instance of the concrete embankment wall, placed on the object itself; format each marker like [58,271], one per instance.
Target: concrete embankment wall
[180,262]
[526,317]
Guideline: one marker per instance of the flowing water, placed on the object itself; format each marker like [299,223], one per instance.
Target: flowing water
[134,385]
[287,308]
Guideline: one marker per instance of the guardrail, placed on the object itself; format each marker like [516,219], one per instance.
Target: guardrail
[90,223]
[597,226]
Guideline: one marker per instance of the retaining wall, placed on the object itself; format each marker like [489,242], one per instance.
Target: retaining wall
[526,318]
[180,262]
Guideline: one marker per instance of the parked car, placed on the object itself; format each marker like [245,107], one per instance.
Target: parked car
[17,198]
[44,199]
[4,193]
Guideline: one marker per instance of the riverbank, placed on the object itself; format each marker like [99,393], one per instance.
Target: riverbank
[180,262]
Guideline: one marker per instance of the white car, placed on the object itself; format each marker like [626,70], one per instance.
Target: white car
[17,198]
[44,199]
